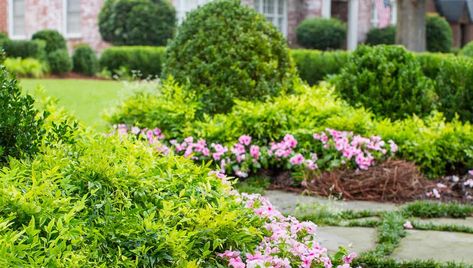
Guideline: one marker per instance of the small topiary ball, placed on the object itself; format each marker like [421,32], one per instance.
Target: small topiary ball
[381,36]
[84,60]
[225,51]
[59,62]
[321,33]
[387,80]
[54,40]
[438,34]
[137,22]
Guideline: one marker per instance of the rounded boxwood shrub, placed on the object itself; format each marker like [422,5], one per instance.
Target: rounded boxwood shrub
[225,51]
[388,80]
[59,62]
[54,40]
[21,124]
[84,60]
[137,22]
[438,34]
[381,36]
[321,33]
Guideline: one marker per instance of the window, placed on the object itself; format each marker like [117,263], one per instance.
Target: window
[374,14]
[72,18]
[185,6]
[17,18]
[275,12]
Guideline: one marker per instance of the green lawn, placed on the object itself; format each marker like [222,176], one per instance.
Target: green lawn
[85,99]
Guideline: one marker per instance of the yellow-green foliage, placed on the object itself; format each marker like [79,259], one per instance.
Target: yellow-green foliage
[28,67]
[112,202]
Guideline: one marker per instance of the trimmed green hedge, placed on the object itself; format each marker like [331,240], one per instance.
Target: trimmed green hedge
[23,48]
[146,60]
[314,65]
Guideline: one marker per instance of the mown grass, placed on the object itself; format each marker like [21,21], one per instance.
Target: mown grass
[85,99]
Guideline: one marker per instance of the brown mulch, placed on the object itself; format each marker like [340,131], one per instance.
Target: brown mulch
[393,181]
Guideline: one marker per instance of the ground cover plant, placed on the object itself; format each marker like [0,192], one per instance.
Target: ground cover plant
[436,146]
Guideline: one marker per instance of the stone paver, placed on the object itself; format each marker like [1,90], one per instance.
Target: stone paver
[287,202]
[439,246]
[447,221]
[356,239]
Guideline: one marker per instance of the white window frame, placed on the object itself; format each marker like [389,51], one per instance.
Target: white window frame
[275,15]
[374,14]
[67,34]
[393,12]
[11,28]
[182,9]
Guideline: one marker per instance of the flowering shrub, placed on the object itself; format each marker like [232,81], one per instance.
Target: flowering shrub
[330,149]
[290,243]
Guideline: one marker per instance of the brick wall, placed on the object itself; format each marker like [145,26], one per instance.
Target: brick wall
[3,16]
[49,14]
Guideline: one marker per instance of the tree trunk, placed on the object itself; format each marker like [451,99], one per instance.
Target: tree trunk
[411,24]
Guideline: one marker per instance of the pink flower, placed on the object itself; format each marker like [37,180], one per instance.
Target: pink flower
[135,130]
[408,225]
[297,159]
[392,146]
[469,183]
[254,152]
[290,141]
[436,193]
[349,258]
[470,172]
[236,263]
[311,165]
[245,140]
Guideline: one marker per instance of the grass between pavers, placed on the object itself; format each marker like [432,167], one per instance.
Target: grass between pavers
[85,99]
[390,229]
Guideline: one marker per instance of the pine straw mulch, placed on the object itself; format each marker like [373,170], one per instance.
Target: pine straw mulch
[392,181]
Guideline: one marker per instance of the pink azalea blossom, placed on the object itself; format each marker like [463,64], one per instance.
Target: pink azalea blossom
[255,151]
[245,140]
[297,159]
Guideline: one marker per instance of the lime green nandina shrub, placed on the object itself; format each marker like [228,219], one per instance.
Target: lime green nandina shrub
[388,80]
[224,51]
[112,202]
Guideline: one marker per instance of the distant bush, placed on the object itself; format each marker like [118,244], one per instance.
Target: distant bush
[25,67]
[315,66]
[147,61]
[23,48]
[54,40]
[225,51]
[467,50]
[84,60]
[21,124]
[453,78]
[137,22]
[438,34]
[59,62]
[381,36]
[388,80]
[321,33]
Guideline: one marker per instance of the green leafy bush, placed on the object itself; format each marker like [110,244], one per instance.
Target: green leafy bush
[388,80]
[467,50]
[439,36]
[321,33]
[25,67]
[23,48]
[54,40]
[167,107]
[225,51]
[381,36]
[137,22]
[109,201]
[314,66]
[147,61]
[84,60]
[453,78]
[21,125]
[59,62]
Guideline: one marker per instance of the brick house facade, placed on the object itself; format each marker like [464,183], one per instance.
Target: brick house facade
[77,19]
